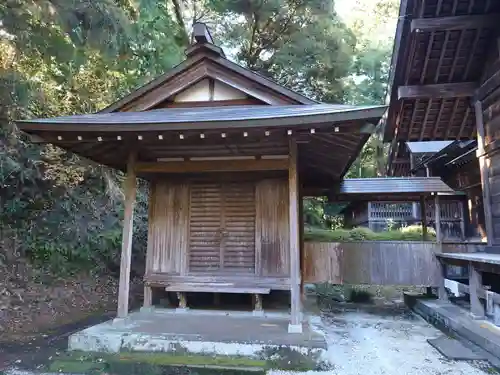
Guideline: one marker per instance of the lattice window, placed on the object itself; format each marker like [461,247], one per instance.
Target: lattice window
[390,210]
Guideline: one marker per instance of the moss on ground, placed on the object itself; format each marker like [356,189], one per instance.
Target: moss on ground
[153,363]
[131,362]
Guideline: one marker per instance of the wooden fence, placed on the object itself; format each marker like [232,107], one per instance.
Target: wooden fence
[377,262]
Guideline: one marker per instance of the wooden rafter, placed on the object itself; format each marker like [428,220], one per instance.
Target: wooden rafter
[464,122]
[441,56]
[424,121]
[471,55]
[452,117]
[438,119]
[427,58]
[412,119]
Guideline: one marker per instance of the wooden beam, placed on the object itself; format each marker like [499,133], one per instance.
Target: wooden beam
[455,23]
[213,166]
[126,255]
[439,90]
[483,168]
[488,86]
[295,325]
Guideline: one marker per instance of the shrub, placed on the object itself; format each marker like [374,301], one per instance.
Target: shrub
[410,233]
[360,296]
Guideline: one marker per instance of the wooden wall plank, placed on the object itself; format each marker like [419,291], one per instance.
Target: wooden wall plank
[272,227]
[168,227]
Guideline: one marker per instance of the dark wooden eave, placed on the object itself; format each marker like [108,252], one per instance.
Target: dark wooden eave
[329,136]
[206,118]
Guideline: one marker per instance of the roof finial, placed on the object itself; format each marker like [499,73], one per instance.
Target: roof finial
[201,34]
[201,41]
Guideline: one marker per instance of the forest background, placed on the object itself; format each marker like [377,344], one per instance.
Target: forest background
[61,214]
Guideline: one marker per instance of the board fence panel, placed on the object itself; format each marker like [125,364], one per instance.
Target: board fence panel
[377,262]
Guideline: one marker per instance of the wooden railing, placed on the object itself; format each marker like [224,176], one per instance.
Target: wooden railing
[377,262]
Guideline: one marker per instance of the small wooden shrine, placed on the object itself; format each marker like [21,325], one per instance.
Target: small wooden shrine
[228,154]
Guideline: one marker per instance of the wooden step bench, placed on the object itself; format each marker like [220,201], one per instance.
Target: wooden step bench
[216,288]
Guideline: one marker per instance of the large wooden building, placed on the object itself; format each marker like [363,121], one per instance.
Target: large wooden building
[228,154]
[445,85]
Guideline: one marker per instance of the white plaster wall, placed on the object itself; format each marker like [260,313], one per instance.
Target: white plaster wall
[226,92]
[199,92]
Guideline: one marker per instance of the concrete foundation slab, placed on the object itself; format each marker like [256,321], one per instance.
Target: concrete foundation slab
[454,349]
[197,331]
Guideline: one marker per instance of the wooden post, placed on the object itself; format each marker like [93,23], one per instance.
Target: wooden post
[437,215]
[485,183]
[182,301]
[489,302]
[423,218]
[128,221]
[496,314]
[442,294]
[462,221]
[475,282]
[301,244]
[295,325]
[257,309]
[148,297]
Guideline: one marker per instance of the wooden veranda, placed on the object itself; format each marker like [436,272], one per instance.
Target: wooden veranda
[228,154]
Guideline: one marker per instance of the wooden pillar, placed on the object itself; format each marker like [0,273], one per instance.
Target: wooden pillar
[423,218]
[442,294]
[257,307]
[462,221]
[148,297]
[128,221]
[475,282]
[182,300]
[485,182]
[437,216]
[295,325]
[301,244]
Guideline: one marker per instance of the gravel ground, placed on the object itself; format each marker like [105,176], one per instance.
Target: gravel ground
[393,343]
[372,344]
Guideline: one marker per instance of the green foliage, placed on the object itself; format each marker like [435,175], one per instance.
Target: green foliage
[301,44]
[62,57]
[360,296]
[410,233]
[66,57]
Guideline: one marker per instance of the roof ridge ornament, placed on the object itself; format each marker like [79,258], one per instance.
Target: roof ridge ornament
[201,34]
[202,41]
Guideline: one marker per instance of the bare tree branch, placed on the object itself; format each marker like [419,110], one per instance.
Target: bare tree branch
[178,10]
